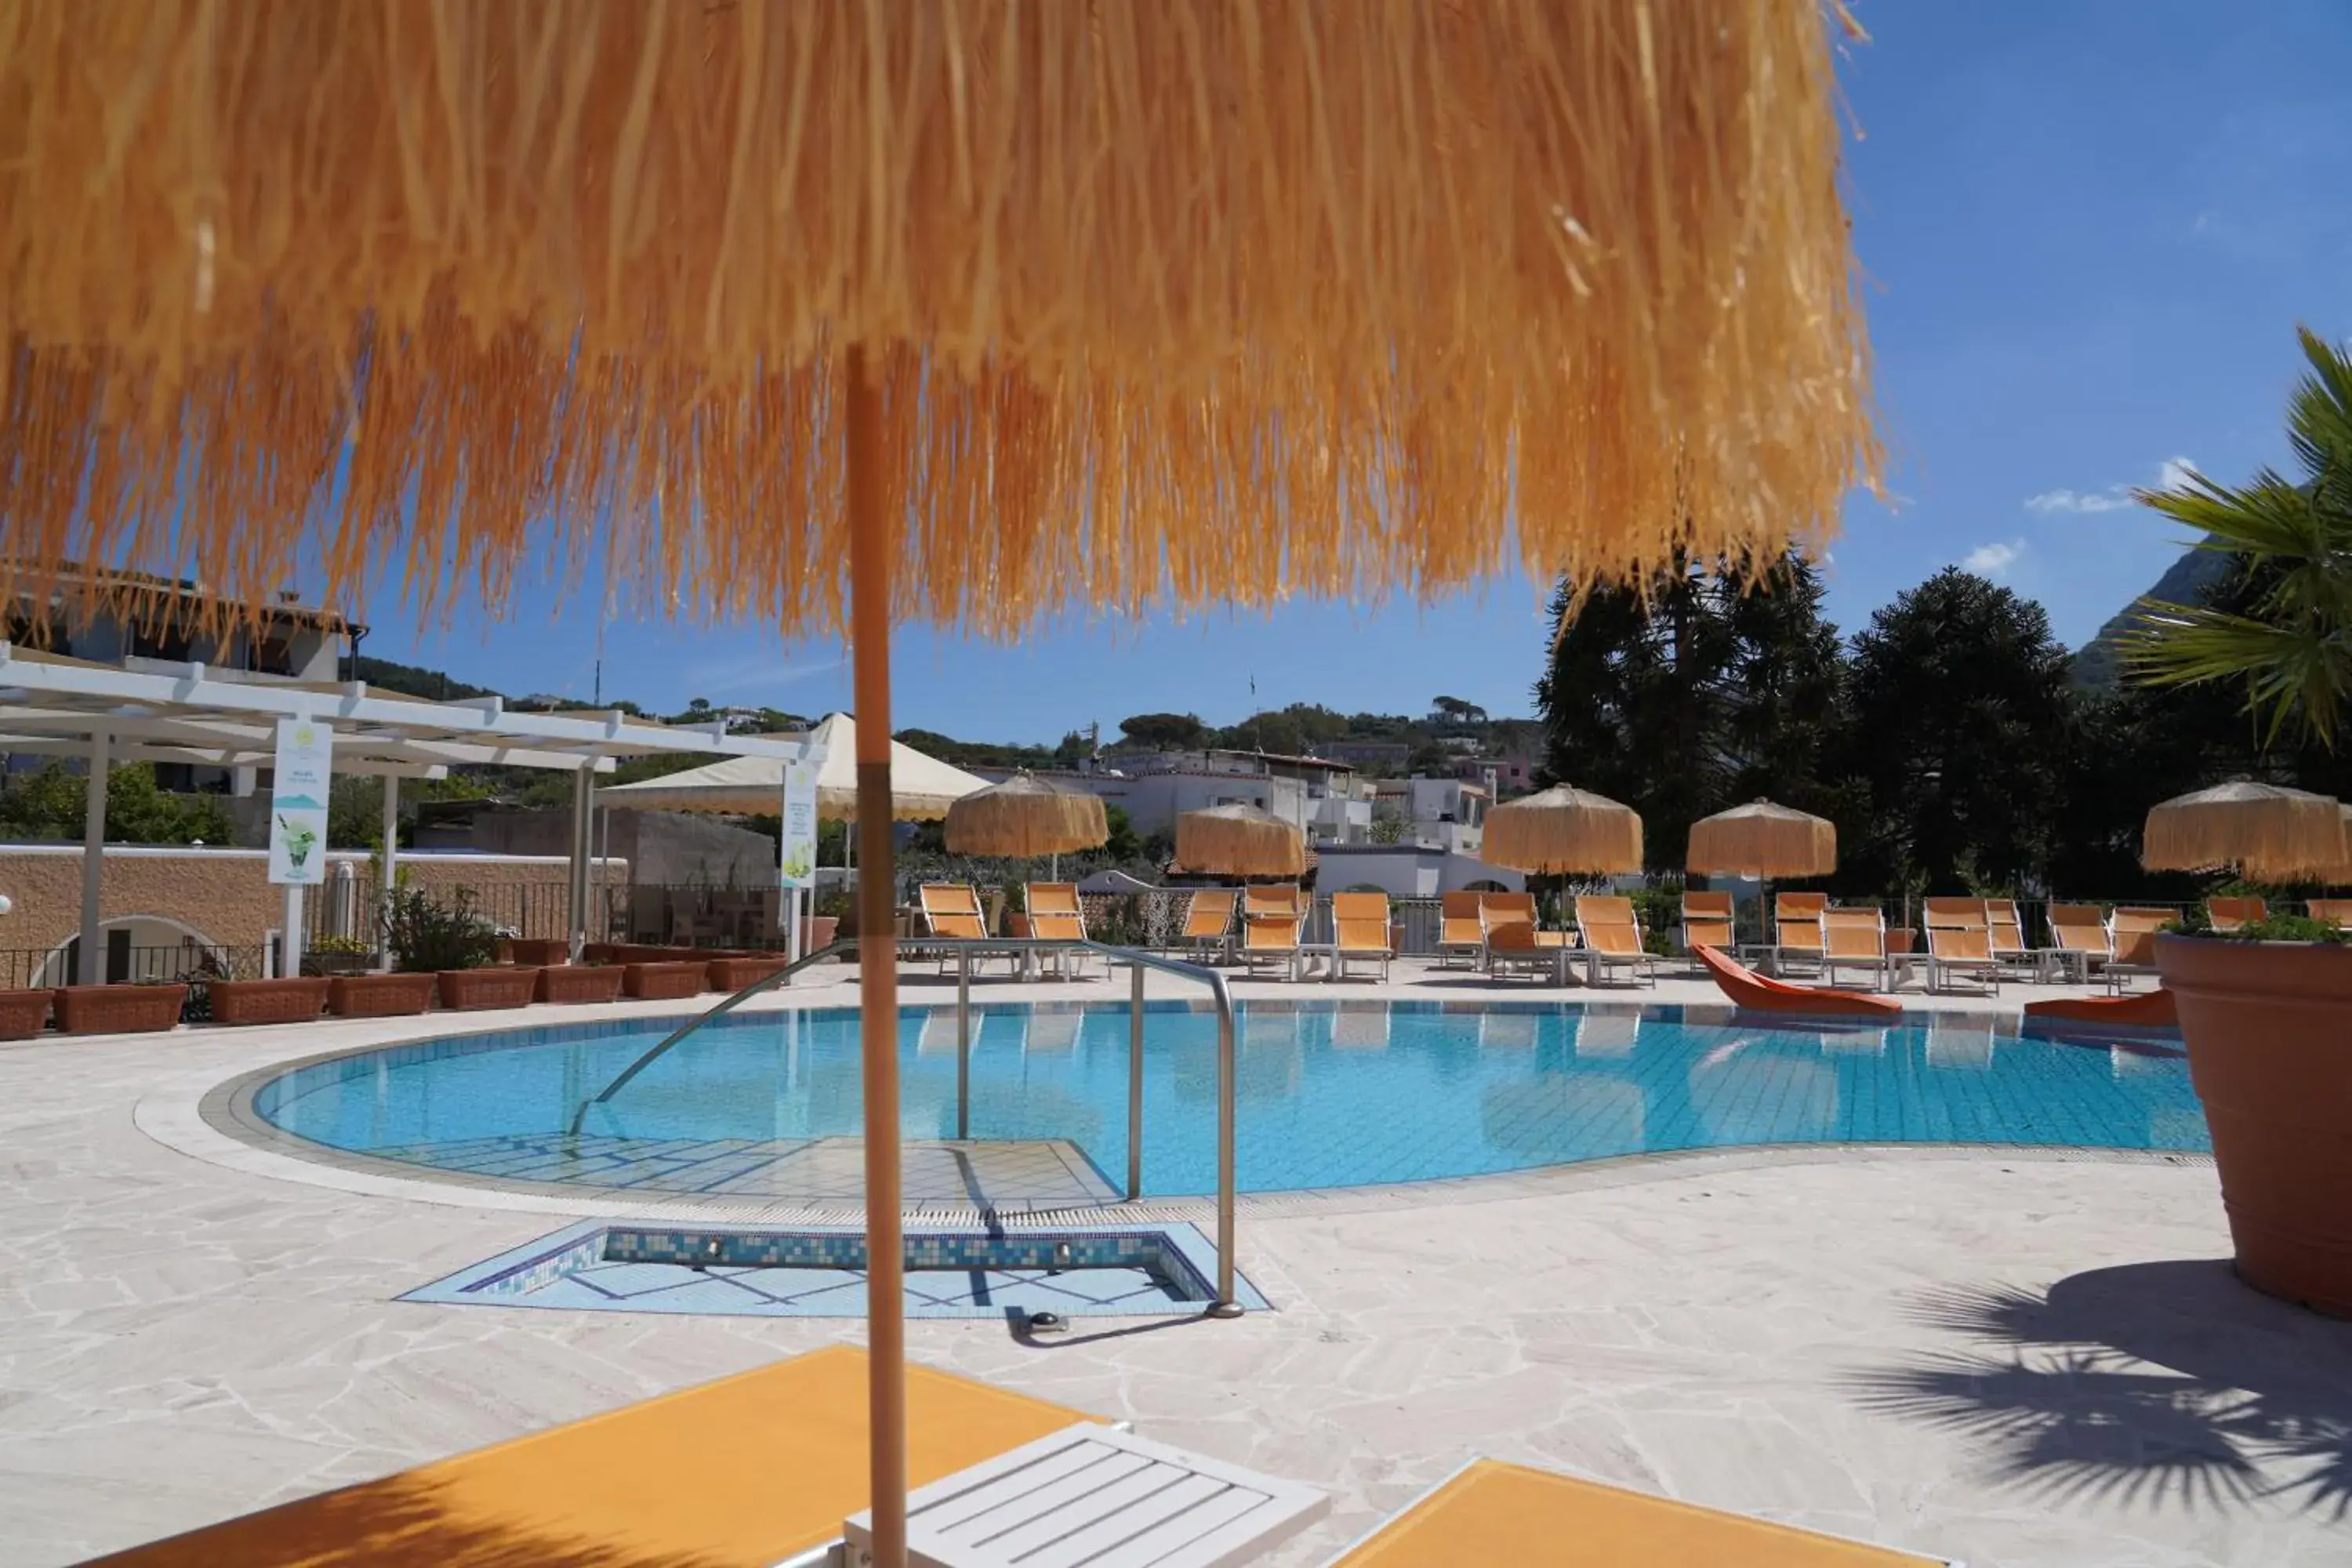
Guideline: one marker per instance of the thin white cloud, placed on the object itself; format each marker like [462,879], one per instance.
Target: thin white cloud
[1993,559]
[2171,474]
[2112,499]
[746,675]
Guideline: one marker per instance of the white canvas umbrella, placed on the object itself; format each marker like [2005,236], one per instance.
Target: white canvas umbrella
[921,787]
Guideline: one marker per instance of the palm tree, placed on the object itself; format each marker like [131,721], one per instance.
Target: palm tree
[2291,640]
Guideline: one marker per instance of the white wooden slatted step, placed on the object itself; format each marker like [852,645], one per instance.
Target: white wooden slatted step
[1093,1497]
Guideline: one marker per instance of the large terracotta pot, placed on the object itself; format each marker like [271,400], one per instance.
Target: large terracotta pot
[465,989]
[579,983]
[24,1014]
[117,1009]
[2269,1027]
[289,1001]
[534,952]
[379,995]
[818,931]
[663,982]
[732,975]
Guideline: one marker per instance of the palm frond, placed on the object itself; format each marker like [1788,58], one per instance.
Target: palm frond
[2289,668]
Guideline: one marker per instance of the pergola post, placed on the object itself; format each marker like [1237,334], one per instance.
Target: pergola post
[583,817]
[387,871]
[91,968]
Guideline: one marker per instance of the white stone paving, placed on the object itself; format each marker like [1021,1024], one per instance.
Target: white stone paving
[2003,1356]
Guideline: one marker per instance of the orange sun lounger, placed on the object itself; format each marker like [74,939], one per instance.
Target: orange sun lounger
[1492,1513]
[741,1473]
[1749,989]
[2151,1009]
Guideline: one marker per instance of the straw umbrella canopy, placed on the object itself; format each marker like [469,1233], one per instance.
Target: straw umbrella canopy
[1564,831]
[1239,841]
[753,303]
[1026,817]
[1764,840]
[2267,832]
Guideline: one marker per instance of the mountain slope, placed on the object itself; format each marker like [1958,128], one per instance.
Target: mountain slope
[2185,581]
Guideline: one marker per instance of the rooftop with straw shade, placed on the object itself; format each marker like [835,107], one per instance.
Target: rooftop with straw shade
[421,292]
[1564,831]
[2266,832]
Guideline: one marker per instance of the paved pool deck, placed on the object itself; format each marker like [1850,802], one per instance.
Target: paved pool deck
[2015,1357]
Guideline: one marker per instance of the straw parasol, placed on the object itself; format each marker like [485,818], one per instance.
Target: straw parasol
[2267,832]
[841,314]
[1762,839]
[1026,817]
[1239,841]
[1564,831]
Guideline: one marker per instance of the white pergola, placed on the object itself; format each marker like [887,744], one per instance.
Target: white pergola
[156,710]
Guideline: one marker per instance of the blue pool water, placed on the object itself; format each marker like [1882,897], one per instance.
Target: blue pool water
[1330,1096]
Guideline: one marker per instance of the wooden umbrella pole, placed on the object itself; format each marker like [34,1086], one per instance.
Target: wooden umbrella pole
[877,961]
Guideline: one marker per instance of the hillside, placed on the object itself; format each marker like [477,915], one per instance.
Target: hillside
[2185,581]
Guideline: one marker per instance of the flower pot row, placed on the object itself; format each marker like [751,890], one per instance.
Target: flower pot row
[91,1009]
[129,1009]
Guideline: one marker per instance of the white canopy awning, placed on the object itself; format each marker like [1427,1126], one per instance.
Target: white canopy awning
[921,787]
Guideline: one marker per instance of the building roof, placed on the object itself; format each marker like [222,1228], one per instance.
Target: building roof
[177,598]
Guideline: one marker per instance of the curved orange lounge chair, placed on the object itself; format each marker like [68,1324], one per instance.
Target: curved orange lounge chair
[1749,989]
[2147,1008]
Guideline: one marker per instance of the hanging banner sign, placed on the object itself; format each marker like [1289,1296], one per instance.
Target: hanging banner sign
[798,861]
[298,801]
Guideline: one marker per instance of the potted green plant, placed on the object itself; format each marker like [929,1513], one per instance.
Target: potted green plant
[2266,1010]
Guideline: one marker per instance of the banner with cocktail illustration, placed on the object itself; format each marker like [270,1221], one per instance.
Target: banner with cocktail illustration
[298,801]
[797,863]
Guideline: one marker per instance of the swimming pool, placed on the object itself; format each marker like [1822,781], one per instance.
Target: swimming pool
[1334,1095]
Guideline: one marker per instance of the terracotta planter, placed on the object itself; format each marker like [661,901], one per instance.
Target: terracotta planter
[1901,941]
[379,995]
[732,975]
[533,951]
[469,990]
[663,982]
[2269,1027]
[269,1001]
[117,1009]
[819,930]
[24,1014]
[599,952]
[579,983]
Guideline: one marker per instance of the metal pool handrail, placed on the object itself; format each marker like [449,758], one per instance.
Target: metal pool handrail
[1228,1303]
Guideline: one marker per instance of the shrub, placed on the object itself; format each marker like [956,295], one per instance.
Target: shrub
[424,935]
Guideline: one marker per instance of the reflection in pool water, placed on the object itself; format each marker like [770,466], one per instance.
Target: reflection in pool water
[1331,1096]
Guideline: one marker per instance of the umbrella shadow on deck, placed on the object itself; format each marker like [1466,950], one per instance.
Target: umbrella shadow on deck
[2148,1383]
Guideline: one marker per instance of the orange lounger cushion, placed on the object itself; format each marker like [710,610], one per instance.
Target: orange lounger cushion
[1498,1513]
[1749,989]
[2150,1008]
[739,1473]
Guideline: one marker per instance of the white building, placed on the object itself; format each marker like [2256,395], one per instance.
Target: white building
[1448,814]
[1408,871]
[1324,799]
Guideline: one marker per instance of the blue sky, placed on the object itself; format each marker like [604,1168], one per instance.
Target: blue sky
[2090,227]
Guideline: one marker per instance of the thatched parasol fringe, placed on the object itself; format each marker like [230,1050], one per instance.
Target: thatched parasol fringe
[1026,817]
[430,292]
[2266,831]
[1239,841]
[1762,838]
[1563,831]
